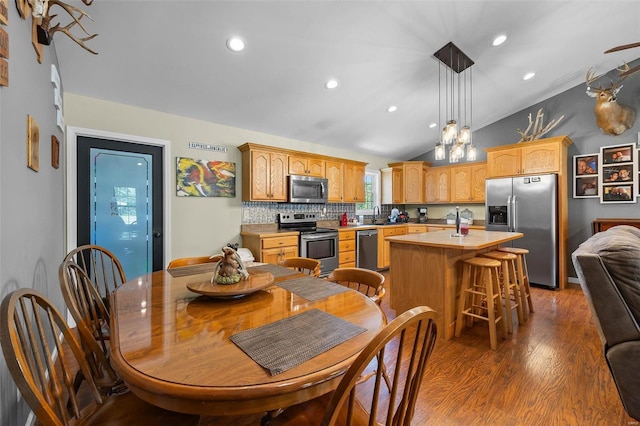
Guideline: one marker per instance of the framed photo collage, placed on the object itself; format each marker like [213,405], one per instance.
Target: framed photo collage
[610,175]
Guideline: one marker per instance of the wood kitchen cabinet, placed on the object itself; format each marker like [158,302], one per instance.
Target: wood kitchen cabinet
[384,246]
[437,185]
[333,171]
[525,158]
[264,174]
[468,183]
[409,181]
[353,182]
[306,166]
[347,248]
[271,248]
[416,229]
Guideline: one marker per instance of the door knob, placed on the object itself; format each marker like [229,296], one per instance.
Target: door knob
[156,234]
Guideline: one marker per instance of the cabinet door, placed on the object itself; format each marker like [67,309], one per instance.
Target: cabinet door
[461,184]
[260,173]
[540,158]
[397,189]
[315,167]
[359,183]
[503,163]
[297,165]
[443,177]
[333,173]
[431,186]
[478,179]
[353,183]
[278,177]
[413,183]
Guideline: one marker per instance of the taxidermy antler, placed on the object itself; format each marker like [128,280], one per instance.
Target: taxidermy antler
[625,70]
[537,128]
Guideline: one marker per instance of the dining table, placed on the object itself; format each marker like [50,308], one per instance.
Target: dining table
[184,344]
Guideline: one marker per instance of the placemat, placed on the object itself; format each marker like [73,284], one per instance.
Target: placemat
[275,270]
[184,271]
[289,342]
[312,288]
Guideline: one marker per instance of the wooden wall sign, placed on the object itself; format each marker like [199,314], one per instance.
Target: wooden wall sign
[33,144]
[4,73]
[55,152]
[4,12]
[4,44]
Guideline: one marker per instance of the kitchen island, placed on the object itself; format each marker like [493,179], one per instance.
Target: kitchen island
[425,269]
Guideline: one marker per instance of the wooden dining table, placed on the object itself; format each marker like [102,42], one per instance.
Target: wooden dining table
[172,346]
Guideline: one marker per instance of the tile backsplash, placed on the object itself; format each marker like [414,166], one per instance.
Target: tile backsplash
[265,212]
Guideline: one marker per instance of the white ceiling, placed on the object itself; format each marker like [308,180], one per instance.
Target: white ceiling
[171,56]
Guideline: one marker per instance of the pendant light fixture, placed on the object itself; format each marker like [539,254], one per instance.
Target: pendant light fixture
[455,85]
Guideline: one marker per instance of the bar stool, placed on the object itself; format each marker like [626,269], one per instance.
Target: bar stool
[480,296]
[523,277]
[510,288]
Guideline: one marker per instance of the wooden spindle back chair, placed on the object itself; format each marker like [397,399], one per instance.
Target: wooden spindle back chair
[305,265]
[189,261]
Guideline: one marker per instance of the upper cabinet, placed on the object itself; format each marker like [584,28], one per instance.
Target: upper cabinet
[306,166]
[264,175]
[438,182]
[525,158]
[265,170]
[468,182]
[353,182]
[334,172]
[409,182]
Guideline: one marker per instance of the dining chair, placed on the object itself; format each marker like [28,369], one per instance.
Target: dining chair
[188,261]
[87,308]
[416,333]
[366,281]
[101,265]
[302,264]
[33,335]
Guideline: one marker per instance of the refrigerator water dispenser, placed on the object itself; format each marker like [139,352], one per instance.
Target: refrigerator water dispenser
[497,215]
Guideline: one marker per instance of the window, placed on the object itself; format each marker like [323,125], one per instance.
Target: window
[371,193]
[125,204]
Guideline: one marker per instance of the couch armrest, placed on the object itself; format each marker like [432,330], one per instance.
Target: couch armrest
[611,314]
[623,363]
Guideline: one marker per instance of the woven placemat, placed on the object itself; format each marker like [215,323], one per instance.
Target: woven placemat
[275,270]
[312,288]
[184,271]
[283,344]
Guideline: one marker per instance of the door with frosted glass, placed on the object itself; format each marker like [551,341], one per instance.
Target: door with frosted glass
[120,201]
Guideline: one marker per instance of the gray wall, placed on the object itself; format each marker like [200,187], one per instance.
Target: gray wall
[31,204]
[580,125]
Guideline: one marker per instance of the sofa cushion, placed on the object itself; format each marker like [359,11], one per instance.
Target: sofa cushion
[619,249]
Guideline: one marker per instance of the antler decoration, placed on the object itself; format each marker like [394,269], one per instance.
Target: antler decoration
[537,128]
[41,18]
[625,70]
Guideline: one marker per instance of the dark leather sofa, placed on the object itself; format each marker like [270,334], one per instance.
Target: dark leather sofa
[608,268]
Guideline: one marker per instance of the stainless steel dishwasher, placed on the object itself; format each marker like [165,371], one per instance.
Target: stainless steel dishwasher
[367,249]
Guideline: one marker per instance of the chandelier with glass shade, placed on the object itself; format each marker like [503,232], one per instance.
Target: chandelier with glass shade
[455,83]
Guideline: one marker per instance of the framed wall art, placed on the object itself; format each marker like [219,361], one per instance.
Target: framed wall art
[618,174]
[33,144]
[205,178]
[585,173]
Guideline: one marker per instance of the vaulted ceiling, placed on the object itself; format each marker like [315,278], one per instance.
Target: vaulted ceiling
[171,56]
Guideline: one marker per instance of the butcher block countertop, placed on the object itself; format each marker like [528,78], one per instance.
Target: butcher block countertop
[475,240]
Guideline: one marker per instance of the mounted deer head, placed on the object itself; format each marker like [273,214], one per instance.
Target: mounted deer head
[613,118]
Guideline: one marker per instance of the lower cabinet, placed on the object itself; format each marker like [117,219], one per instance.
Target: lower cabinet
[416,229]
[347,249]
[271,249]
[384,246]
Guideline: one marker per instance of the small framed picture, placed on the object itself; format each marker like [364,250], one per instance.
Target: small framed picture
[586,187]
[618,194]
[618,154]
[55,152]
[33,144]
[585,164]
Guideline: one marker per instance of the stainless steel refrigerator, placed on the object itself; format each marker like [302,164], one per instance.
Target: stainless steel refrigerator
[528,205]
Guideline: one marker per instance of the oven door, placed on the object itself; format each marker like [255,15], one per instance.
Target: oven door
[323,247]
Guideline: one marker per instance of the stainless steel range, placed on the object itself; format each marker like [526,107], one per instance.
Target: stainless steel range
[314,242]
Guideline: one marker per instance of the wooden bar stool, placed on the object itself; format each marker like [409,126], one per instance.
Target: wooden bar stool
[511,293]
[480,297]
[523,278]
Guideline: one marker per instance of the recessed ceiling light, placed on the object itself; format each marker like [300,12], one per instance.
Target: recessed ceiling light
[235,44]
[331,84]
[529,76]
[499,39]
[432,125]
[392,108]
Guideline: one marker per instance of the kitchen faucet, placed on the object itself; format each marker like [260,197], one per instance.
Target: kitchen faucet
[375,216]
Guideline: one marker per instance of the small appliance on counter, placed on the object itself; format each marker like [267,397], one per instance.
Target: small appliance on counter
[422,215]
[394,215]
[403,217]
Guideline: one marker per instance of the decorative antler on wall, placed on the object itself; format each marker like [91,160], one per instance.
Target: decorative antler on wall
[625,71]
[537,128]
[41,18]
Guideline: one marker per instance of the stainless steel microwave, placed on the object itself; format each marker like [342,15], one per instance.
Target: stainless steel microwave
[307,189]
